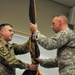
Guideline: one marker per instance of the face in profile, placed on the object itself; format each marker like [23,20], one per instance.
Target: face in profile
[7,33]
[56,24]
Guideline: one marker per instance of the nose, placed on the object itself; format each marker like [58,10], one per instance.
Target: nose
[12,32]
[52,26]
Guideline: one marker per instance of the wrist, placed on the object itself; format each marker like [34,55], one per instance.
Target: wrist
[27,67]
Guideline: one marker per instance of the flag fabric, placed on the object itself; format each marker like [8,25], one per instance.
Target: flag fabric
[32,11]
[35,53]
[34,48]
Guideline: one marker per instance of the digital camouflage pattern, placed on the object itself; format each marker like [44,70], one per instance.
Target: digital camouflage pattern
[64,42]
[8,61]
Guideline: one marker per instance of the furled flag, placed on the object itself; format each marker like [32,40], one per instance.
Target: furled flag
[34,48]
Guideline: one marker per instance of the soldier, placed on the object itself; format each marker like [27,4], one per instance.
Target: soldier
[63,41]
[8,61]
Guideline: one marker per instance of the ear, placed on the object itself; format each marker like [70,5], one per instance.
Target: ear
[60,22]
[1,31]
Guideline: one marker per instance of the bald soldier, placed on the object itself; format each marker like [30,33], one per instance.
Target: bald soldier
[63,41]
[8,61]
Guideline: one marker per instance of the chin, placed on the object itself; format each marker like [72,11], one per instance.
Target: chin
[10,39]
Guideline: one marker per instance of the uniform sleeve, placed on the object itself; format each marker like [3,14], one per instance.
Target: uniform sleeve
[19,64]
[21,48]
[10,61]
[49,63]
[56,41]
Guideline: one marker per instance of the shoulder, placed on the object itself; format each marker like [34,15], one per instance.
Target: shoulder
[1,49]
[1,46]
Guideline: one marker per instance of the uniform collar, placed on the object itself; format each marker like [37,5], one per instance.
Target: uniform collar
[8,45]
[3,41]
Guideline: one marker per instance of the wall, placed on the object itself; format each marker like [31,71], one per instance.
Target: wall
[16,12]
[26,57]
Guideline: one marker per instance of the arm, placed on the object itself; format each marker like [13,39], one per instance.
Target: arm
[17,64]
[48,63]
[21,48]
[23,65]
[54,42]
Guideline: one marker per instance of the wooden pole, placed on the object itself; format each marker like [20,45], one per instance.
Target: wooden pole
[22,33]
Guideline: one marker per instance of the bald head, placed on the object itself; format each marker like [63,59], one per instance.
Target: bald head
[60,22]
[62,17]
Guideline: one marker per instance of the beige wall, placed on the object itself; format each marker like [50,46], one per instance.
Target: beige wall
[15,12]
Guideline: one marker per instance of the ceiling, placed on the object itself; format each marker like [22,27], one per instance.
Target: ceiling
[69,3]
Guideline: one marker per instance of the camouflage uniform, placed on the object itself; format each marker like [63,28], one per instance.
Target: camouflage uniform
[64,42]
[8,61]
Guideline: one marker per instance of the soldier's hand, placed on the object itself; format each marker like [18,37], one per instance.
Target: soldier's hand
[33,27]
[38,59]
[33,67]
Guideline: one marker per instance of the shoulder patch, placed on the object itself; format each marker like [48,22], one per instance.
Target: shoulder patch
[0,46]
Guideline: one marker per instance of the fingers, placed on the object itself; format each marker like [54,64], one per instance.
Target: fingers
[33,27]
[38,59]
[33,67]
